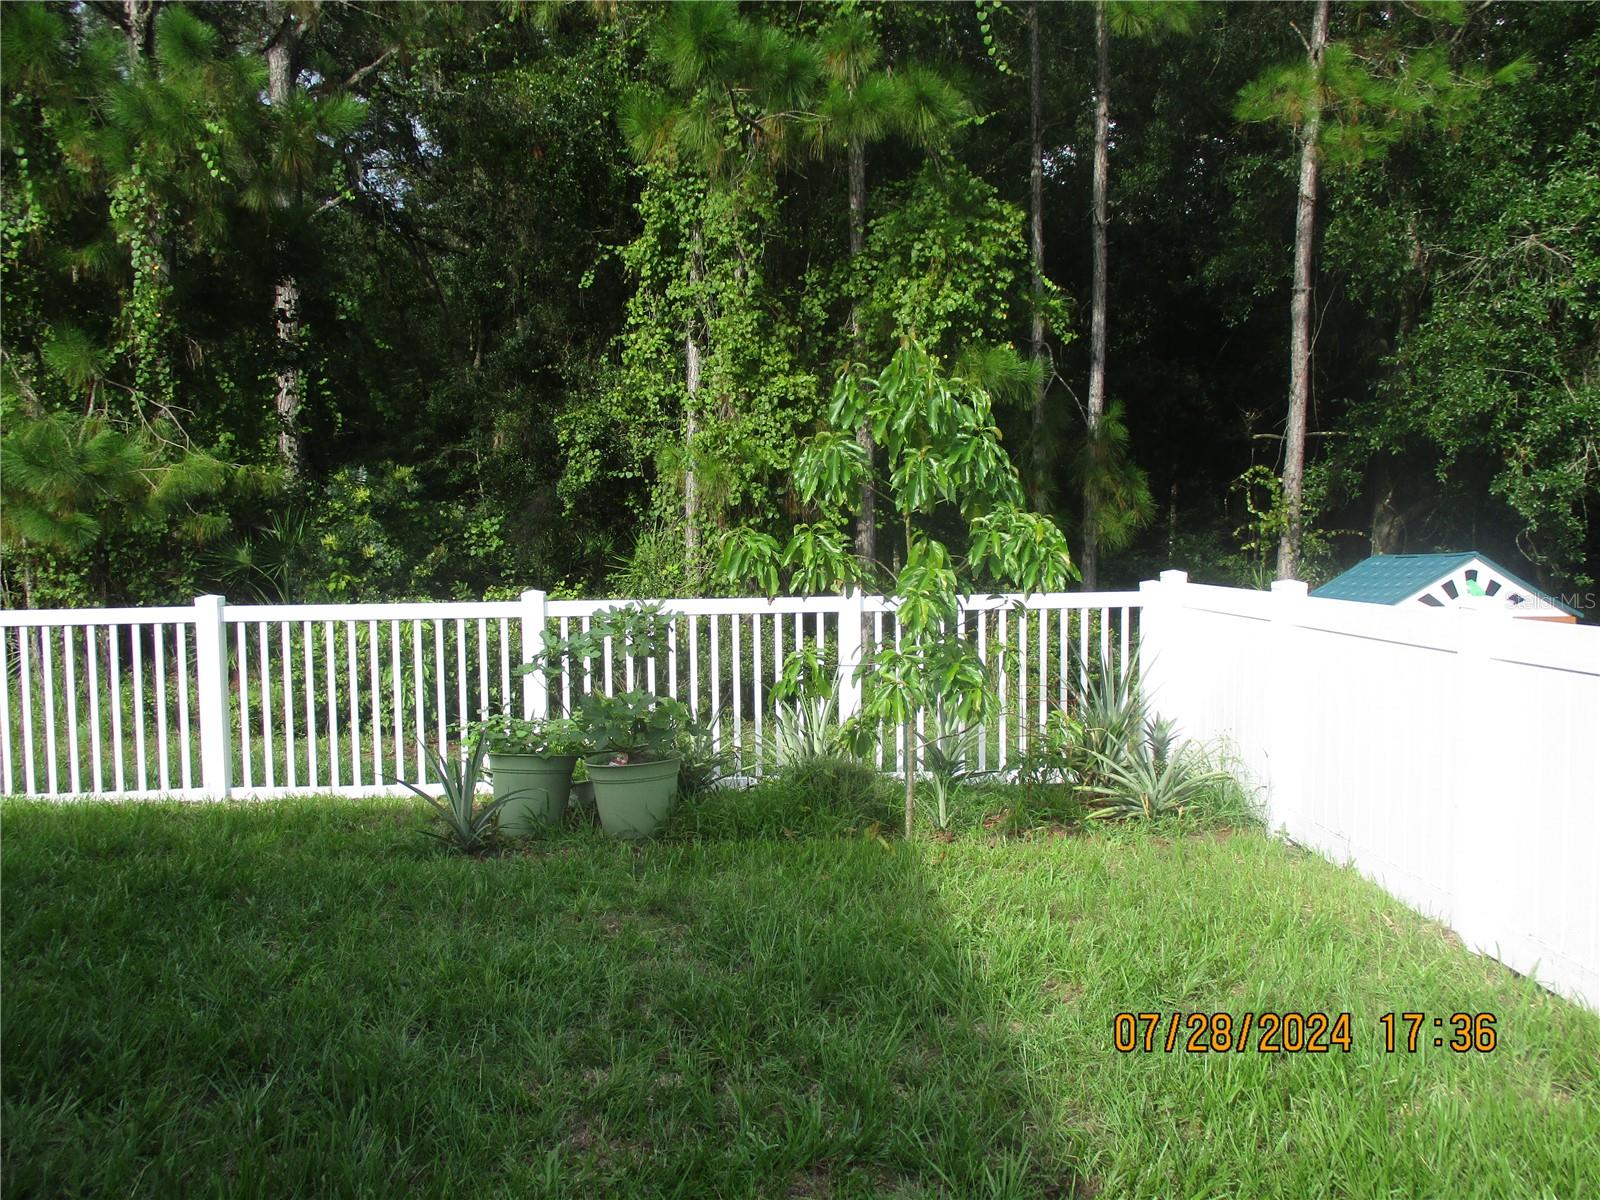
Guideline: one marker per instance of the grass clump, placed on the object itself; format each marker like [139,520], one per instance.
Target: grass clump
[832,795]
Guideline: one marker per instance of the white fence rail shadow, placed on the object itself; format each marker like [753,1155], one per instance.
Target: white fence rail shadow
[216,700]
[1451,755]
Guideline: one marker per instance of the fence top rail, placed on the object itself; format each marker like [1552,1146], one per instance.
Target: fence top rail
[706,606]
[409,610]
[450,610]
[1052,600]
[34,617]
[745,605]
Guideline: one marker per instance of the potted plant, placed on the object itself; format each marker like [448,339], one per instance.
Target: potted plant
[531,764]
[635,768]
[631,764]
[582,795]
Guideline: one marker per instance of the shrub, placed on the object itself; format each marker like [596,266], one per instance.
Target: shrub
[702,765]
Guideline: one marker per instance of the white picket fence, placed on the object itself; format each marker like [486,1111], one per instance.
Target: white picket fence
[216,700]
[1451,755]
[1454,756]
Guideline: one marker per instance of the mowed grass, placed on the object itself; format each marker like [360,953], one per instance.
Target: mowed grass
[304,998]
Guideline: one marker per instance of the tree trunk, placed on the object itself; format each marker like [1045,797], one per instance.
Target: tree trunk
[1305,221]
[148,244]
[866,518]
[137,15]
[911,775]
[1097,321]
[289,380]
[691,425]
[290,383]
[1036,247]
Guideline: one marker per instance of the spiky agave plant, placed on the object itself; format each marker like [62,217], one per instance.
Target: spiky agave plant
[1155,779]
[949,756]
[468,829]
[803,731]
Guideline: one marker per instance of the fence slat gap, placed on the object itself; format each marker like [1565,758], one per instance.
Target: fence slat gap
[244,705]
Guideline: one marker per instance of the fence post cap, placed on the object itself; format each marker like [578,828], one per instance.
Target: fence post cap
[1172,578]
[1290,587]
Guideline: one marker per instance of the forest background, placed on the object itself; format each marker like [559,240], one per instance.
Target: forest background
[358,301]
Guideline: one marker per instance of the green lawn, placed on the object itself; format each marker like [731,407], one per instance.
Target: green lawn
[305,999]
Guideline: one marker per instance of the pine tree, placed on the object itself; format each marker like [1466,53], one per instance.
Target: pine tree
[861,103]
[734,96]
[1348,103]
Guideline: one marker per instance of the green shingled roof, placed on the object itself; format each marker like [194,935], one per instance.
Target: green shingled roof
[1392,578]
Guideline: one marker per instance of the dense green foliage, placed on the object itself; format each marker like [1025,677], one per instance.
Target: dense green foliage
[354,301]
[305,998]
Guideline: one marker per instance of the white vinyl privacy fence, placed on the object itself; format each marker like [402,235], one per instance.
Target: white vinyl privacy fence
[1454,755]
[1451,755]
[213,699]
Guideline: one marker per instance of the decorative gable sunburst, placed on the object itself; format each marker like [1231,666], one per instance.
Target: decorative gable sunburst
[1443,581]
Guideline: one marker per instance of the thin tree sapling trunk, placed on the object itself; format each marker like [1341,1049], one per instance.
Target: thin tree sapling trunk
[289,379]
[691,383]
[1036,247]
[1305,220]
[866,518]
[1097,322]
[911,774]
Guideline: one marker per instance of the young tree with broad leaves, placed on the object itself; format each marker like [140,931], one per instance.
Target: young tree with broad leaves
[946,469]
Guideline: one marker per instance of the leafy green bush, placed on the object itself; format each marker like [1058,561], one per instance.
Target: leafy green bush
[549,738]
[703,764]
[635,726]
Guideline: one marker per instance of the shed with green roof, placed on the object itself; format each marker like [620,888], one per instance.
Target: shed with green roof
[1443,581]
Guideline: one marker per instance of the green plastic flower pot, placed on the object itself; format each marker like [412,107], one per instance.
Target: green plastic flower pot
[582,795]
[538,788]
[635,798]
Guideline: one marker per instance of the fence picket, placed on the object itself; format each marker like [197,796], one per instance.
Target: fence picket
[438,669]
[308,654]
[74,777]
[161,707]
[24,652]
[6,779]
[332,677]
[47,671]
[395,705]
[286,653]
[91,653]
[418,725]
[267,755]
